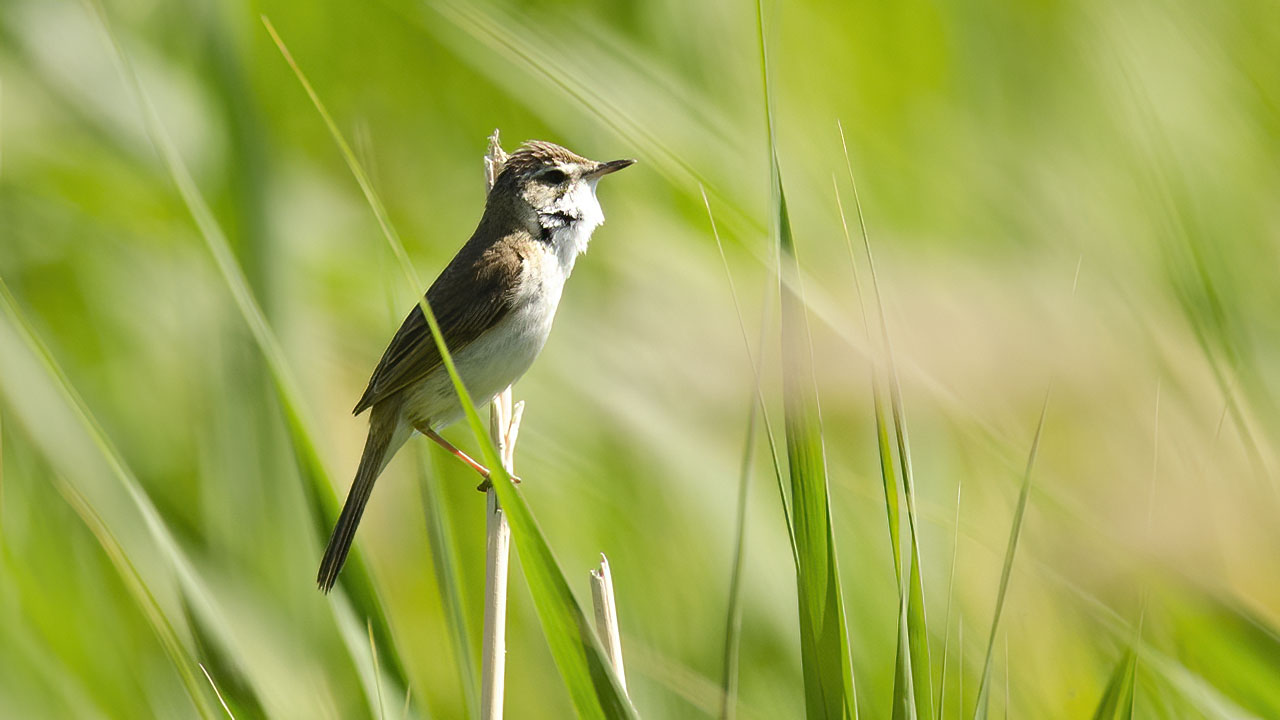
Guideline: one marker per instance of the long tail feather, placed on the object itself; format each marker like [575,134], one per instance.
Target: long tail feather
[386,434]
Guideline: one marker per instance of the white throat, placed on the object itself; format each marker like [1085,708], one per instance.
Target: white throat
[570,222]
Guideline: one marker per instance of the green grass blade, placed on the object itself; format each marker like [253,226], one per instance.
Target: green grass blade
[1117,698]
[824,642]
[446,564]
[592,684]
[920,667]
[903,701]
[903,697]
[217,693]
[1200,295]
[889,478]
[179,655]
[917,628]
[951,596]
[362,178]
[190,585]
[377,673]
[823,636]
[206,619]
[216,661]
[317,488]
[1015,530]
[1234,649]
[755,371]
[583,665]
[734,621]
[733,615]
[918,638]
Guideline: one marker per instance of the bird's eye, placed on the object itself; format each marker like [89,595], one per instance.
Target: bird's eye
[553,176]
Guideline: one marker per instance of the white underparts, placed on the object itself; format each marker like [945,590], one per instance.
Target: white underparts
[504,353]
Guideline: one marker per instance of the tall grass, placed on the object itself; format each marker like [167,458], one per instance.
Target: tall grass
[913,675]
[186,270]
[319,491]
[191,586]
[758,409]
[824,640]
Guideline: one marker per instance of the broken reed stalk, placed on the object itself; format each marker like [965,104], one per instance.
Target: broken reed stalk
[607,618]
[504,426]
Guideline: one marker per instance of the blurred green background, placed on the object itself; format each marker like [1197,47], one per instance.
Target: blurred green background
[1076,193]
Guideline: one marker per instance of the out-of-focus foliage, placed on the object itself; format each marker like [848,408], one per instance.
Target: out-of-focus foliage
[1069,191]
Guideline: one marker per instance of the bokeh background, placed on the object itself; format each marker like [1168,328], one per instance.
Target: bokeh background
[1076,194]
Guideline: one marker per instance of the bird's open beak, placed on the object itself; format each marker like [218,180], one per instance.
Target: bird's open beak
[609,167]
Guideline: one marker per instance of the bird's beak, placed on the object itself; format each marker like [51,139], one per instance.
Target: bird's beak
[608,167]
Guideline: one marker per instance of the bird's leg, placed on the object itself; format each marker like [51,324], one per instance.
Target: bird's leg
[484,471]
[435,437]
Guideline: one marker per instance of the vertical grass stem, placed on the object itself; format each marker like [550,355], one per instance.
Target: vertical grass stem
[504,426]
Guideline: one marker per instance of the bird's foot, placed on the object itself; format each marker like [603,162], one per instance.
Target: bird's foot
[484,486]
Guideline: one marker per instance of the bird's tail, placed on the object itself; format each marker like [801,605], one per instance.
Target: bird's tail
[387,432]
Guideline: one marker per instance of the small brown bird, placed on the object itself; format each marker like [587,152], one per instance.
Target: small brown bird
[495,302]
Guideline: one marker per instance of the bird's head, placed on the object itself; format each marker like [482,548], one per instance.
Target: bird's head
[549,186]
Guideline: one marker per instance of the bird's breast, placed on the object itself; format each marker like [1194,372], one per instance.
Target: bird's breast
[504,352]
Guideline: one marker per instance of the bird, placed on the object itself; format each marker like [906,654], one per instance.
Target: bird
[494,303]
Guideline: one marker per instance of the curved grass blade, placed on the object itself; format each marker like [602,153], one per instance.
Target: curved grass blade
[984,686]
[915,677]
[179,655]
[1117,698]
[592,684]
[445,562]
[206,619]
[729,678]
[190,586]
[317,488]
[755,371]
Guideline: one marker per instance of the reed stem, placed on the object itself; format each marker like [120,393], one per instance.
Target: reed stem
[504,426]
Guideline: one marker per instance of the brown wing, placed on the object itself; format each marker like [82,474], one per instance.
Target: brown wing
[474,292]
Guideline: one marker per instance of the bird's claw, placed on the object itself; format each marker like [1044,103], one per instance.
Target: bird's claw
[484,486]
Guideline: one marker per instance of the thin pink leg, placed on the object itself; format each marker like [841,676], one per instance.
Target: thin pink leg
[484,471]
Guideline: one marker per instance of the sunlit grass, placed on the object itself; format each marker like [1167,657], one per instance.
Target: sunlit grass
[194,287]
